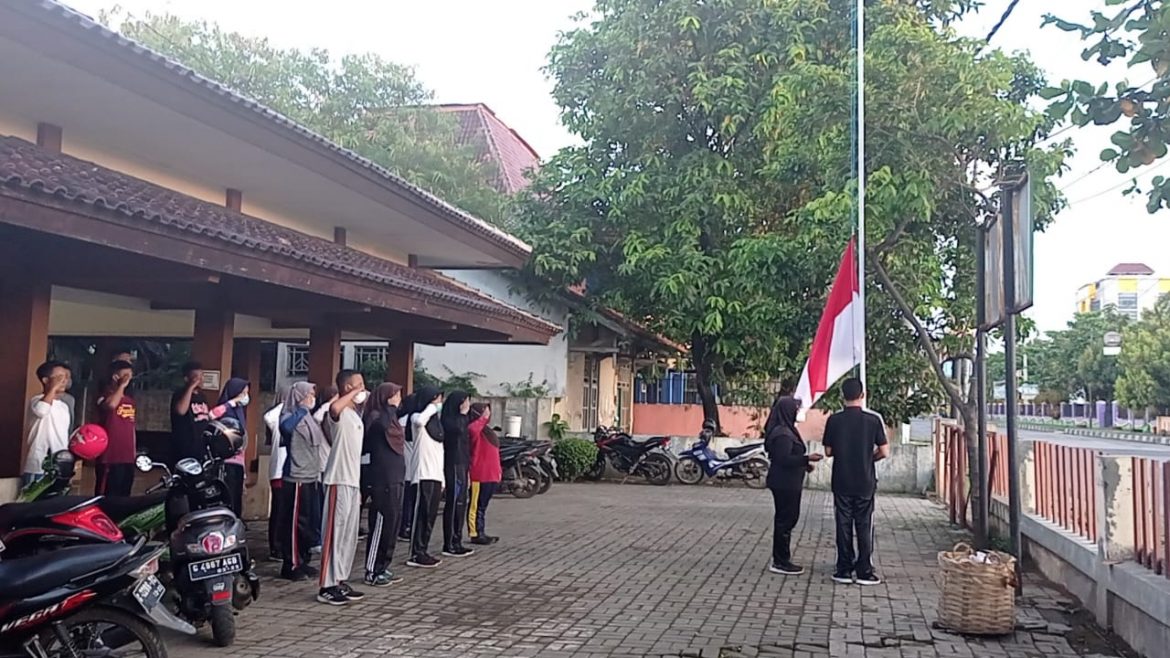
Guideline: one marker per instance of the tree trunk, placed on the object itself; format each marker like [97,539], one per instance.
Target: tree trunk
[704,380]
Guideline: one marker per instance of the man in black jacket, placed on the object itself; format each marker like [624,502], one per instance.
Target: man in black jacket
[855,439]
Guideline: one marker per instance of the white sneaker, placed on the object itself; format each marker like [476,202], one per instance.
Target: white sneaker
[869,579]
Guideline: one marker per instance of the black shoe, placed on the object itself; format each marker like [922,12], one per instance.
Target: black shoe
[384,579]
[483,541]
[350,593]
[785,568]
[332,596]
[868,579]
[423,562]
[296,575]
[458,551]
[843,577]
[310,571]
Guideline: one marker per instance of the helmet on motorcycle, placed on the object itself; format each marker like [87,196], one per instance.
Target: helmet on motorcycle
[64,463]
[89,442]
[224,437]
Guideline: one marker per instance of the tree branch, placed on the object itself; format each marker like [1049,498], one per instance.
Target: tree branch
[920,333]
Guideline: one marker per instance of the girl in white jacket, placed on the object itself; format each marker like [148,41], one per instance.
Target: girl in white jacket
[425,470]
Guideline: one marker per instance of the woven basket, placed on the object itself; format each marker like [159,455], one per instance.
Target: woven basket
[975,598]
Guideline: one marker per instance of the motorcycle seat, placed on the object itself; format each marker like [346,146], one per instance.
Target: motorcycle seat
[26,577]
[13,514]
[735,451]
[119,508]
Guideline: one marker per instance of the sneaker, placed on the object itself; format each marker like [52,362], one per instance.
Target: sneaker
[423,562]
[843,577]
[384,579]
[310,571]
[405,539]
[332,596]
[483,540]
[295,575]
[350,593]
[868,579]
[785,568]
[316,550]
[458,551]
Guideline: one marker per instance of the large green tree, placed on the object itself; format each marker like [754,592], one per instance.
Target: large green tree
[1144,382]
[363,102]
[713,193]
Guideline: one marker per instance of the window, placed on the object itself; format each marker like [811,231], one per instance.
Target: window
[592,393]
[298,360]
[1127,300]
[363,354]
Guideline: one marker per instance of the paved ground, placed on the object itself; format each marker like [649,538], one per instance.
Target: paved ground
[634,570]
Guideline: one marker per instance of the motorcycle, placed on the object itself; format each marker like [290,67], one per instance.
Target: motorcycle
[748,463]
[523,474]
[28,529]
[649,458]
[544,455]
[211,571]
[91,600]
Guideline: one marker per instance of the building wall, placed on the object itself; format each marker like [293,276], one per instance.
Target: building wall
[570,406]
[1130,295]
[503,365]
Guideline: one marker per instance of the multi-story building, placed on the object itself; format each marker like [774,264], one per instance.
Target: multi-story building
[1130,288]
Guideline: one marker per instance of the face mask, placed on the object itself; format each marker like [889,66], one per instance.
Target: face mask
[801,415]
[361,398]
[245,400]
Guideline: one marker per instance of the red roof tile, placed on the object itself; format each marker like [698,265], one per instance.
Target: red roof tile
[495,142]
[25,167]
[1131,269]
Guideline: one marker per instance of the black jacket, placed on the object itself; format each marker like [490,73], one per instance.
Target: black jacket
[789,459]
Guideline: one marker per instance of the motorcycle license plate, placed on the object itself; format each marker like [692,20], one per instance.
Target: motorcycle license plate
[148,592]
[216,566]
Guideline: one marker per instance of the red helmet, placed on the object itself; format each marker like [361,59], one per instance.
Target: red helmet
[89,442]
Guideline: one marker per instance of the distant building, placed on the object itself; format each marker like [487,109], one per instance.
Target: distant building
[1130,288]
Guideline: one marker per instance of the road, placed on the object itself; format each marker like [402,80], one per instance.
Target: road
[920,429]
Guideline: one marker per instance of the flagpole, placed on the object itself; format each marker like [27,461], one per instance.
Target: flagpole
[861,180]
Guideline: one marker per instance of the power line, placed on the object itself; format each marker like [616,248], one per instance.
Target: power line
[1130,181]
[1007,13]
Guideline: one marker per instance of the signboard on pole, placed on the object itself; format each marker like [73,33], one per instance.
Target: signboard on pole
[1112,343]
[1022,229]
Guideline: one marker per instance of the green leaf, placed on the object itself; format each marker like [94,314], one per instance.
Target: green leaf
[1109,155]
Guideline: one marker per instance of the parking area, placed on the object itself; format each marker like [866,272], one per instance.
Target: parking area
[635,570]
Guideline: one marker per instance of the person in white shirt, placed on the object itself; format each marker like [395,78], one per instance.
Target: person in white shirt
[51,419]
[426,472]
[343,494]
[275,476]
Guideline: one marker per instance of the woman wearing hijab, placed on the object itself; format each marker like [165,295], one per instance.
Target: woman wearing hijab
[301,436]
[236,389]
[385,443]
[456,460]
[790,462]
[426,473]
[485,472]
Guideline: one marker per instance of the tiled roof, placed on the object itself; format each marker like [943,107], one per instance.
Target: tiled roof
[495,142]
[1131,269]
[86,27]
[26,167]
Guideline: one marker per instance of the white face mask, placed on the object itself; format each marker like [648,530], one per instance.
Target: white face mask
[361,398]
[245,400]
[801,416]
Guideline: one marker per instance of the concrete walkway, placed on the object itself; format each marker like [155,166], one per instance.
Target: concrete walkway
[634,570]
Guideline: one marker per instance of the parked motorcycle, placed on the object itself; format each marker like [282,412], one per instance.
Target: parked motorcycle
[28,529]
[543,454]
[210,567]
[88,600]
[649,458]
[748,463]
[523,474]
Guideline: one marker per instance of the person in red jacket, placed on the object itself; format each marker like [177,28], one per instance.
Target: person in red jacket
[485,472]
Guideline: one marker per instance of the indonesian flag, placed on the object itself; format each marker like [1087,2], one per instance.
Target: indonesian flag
[839,344]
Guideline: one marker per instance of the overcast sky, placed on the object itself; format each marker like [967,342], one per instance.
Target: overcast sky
[493,51]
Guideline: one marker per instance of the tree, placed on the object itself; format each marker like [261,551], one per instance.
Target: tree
[712,195]
[1145,371]
[362,102]
[1133,31]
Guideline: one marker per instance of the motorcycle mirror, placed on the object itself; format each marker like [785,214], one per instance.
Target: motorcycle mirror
[144,463]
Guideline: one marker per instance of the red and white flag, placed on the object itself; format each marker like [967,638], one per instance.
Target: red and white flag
[839,345]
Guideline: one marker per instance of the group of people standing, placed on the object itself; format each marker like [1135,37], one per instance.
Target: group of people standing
[855,439]
[404,454]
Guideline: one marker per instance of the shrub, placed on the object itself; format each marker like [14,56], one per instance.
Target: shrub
[574,457]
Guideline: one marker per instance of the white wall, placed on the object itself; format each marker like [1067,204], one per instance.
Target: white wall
[503,364]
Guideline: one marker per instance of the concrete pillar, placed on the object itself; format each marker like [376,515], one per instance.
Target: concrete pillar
[324,355]
[246,364]
[400,364]
[24,332]
[1115,520]
[212,344]
[1027,477]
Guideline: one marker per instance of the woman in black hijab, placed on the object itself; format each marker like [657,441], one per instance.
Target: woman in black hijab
[456,461]
[790,462]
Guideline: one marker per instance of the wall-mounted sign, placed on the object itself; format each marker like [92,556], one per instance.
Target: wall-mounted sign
[210,380]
